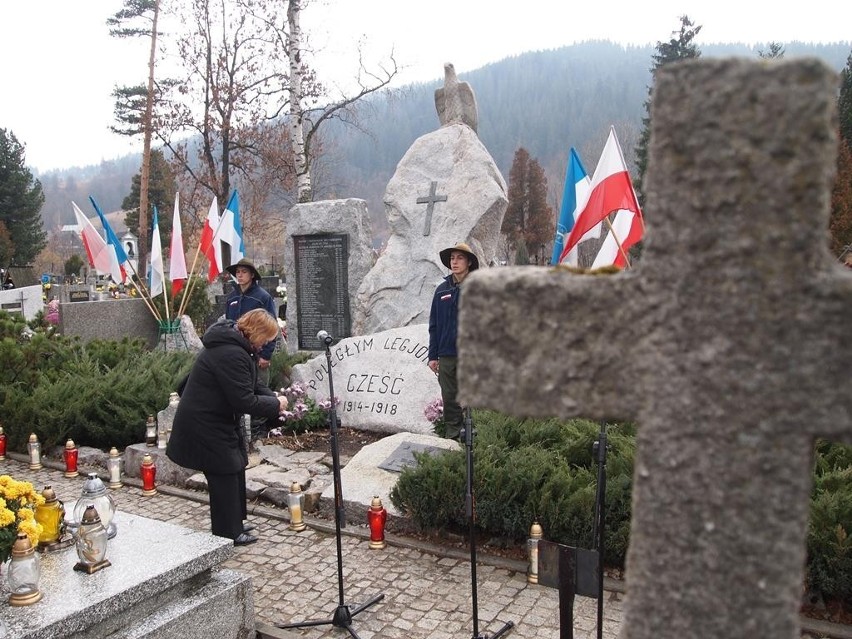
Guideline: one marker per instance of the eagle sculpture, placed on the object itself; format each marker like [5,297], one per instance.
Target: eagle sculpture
[455,102]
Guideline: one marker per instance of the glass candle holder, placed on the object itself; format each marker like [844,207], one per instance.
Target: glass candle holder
[114,462]
[24,573]
[95,494]
[69,455]
[532,549]
[148,471]
[91,543]
[150,431]
[50,515]
[2,444]
[34,450]
[377,517]
[296,504]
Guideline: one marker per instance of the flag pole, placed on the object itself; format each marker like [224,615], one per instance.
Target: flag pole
[190,283]
[618,242]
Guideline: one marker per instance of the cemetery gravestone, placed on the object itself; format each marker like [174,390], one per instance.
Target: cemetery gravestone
[727,344]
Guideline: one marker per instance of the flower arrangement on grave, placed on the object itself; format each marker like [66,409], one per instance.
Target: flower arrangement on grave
[303,413]
[18,501]
[434,412]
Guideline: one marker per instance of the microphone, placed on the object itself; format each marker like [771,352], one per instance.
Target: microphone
[325,338]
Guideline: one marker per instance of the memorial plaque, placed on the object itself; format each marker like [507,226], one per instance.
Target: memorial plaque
[322,287]
[78,296]
[403,456]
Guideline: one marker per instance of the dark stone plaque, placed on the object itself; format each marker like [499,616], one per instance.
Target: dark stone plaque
[322,288]
[403,456]
[78,296]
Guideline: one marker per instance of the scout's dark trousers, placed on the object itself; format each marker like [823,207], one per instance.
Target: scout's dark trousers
[448,381]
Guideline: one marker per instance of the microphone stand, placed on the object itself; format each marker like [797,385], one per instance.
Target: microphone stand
[470,511]
[342,616]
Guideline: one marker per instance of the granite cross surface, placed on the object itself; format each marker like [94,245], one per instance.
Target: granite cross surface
[429,201]
[727,344]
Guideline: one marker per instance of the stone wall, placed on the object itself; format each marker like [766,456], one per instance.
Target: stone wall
[110,319]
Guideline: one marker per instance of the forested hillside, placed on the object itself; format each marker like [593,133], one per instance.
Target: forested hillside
[545,101]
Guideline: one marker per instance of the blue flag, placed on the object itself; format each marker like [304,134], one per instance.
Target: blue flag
[111,237]
[575,174]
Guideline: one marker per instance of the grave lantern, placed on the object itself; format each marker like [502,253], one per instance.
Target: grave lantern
[296,503]
[149,476]
[51,516]
[91,543]
[532,546]
[70,455]
[34,449]
[2,444]
[24,573]
[114,468]
[150,431]
[377,517]
[95,494]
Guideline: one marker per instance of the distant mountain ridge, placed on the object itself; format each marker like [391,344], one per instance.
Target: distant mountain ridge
[545,101]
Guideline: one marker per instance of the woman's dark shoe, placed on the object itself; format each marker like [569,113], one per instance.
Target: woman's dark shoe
[248,527]
[244,540]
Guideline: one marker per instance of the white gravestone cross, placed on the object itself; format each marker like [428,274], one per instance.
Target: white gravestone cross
[728,345]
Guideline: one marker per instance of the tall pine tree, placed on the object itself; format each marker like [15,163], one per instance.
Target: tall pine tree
[162,187]
[21,198]
[679,47]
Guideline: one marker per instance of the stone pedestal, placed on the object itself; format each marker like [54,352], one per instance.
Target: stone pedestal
[163,583]
[168,472]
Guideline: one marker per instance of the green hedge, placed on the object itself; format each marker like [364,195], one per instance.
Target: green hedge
[98,393]
[545,469]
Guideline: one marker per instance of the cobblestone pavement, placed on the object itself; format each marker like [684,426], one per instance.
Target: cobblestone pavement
[426,596]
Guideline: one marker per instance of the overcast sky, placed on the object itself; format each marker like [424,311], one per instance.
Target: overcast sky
[60,65]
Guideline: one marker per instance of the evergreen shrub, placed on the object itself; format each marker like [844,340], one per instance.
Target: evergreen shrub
[526,470]
[98,393]
[829,541]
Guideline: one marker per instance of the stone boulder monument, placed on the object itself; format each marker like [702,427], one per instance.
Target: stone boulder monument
[446,189]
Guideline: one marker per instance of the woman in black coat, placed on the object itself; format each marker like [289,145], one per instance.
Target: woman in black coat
[206,433]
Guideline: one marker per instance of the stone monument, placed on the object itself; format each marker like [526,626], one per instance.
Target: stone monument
[727,344]
[332,238]
[446,189]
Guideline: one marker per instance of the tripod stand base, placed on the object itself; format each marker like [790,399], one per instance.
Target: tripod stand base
[341,618]
[506,627]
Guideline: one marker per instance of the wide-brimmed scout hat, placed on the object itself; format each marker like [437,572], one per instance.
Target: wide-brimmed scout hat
[464,248]
[232,269]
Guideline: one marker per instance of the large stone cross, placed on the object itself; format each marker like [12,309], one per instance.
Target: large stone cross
[429,201]
[729,345]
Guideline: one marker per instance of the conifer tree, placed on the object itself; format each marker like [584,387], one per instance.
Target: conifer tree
[844,103]
[162,187]
[21,198]
[679,47]
[528,220]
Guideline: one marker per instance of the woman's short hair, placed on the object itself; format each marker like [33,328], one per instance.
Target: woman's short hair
[258,324]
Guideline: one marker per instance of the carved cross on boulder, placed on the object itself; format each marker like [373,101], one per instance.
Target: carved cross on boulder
[729,345]
[429,201]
